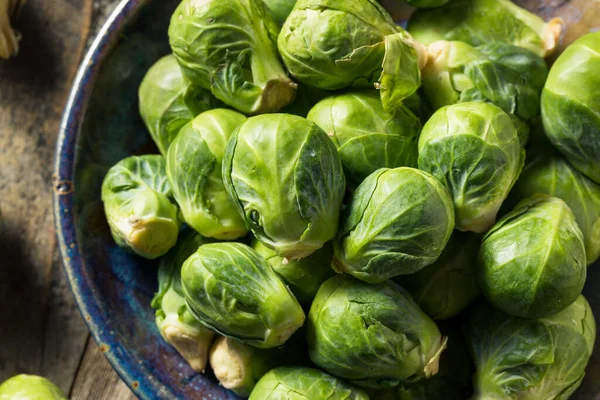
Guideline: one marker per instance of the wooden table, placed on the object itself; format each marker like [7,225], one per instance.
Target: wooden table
[41,330]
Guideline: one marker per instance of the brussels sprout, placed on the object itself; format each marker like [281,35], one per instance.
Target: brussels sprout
[239,366]
[507,76]
[233,290]
[305,276]
[9,38]
[525,359]
[30,387]
[167,101]
[479,22]
[285,177]
[474,150]
[139,206]
[373,335]
[301,383]
[229,47]
[453,380]
[398,222]
[448,286]
[532,263]
[280,9]
[332,45]
[571,105]
[427,3]
[175,323]
[367,137]
[194,171]
[548,173]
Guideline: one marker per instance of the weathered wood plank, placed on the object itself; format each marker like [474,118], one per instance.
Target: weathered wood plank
[96,379]
[42,331]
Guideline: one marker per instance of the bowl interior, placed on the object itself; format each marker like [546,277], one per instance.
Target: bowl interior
[114,288]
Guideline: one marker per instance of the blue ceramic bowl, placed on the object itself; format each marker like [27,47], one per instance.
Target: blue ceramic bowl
[113,289]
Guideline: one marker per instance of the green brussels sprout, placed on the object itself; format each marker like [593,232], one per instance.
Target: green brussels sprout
[528,359]
[239,366]
[303,277]
[139,206]
[9,38]
[233,291]
[448,286]
[284,175]
[229,48]
[571,105]
[474,150]
[167,101]
[453,380]
[280,9]
[332,45]
[548,173]
[194,164]
[300,383]
[30,387]
[367,137]
[398,222]
[507,76]
[176,325]
[479,22]
[532,263]
[373,335]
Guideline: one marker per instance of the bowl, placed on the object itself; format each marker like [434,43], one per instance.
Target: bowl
[113,289]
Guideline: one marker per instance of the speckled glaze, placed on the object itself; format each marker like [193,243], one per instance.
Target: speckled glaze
[113,289]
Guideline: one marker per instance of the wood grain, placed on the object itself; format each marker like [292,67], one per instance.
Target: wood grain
[42,331]
[96,376]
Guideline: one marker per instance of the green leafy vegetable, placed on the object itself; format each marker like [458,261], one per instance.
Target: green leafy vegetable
[373,335]
[139,206]
[229,47]
[284,175]
[232,290]
[194,165]
[532,263]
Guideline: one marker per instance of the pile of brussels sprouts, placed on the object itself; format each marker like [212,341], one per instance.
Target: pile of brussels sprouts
[344,208]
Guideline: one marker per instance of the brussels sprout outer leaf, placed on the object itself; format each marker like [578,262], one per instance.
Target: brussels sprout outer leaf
[304,276]
[232,290]
[139,206]
[367,137]
[354,332]
[401,74]
[399,221]
[286,178]
[176,325]
[571,105]
[474,150]
[229,48]
[30,387]
[296,383]
[167,101]
[532,263]
[448,286]
[194,165]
